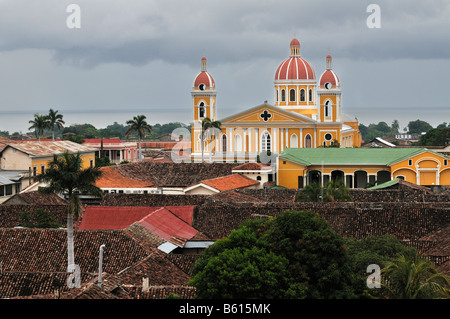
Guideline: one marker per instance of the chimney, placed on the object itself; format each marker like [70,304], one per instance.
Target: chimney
[145,284]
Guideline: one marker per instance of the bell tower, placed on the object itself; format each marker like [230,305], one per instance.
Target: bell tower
[204,95]
[329,94]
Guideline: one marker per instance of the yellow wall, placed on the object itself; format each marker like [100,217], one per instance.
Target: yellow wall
[43,161]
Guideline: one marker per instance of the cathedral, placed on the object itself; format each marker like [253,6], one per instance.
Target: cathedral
[307,113]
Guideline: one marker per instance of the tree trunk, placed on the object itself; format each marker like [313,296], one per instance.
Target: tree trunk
[70,246]
[201,140]
[140,151]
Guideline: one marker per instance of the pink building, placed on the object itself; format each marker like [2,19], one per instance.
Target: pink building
[114,148]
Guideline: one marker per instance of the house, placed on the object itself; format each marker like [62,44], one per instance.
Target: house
[378,142]
[358,167]
[113,148]
[34,155]
[256,171]
[221,184]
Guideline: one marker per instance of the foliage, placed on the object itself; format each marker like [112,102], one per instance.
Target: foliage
[379,250]
[414,278]
[103,161]
[418,126]
[54,120]
[295,255]
[83,130]
[377,130]
[39,218]
[140,127]
[333,191]
[38,124]
[436,137]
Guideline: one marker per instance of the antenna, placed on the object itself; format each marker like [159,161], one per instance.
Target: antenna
[100,264]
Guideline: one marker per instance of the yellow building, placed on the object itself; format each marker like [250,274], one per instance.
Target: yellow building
[307,113]
[358,167]
[34,156]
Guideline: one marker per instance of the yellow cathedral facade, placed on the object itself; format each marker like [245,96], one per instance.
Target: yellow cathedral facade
[307,113]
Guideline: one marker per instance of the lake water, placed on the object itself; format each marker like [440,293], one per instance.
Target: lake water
[18,121]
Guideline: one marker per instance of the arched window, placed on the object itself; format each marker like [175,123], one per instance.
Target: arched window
[302,95]
[258,178]
[277,96]
[224,143]
[265,141]
[292,95]
[283,95]
[327,109]
[310,95]
[237,143]
[308,143]
[294,141]
[201,110]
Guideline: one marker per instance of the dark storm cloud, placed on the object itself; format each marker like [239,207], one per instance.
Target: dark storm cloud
[138,32]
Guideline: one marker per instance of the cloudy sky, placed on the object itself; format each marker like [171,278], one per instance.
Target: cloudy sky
[141,56]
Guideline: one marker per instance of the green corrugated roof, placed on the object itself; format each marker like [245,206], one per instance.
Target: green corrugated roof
[349,156]
[385,185]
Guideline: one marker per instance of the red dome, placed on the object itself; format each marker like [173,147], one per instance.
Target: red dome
[204,78]
[329,76]
[295,42]
[295,68]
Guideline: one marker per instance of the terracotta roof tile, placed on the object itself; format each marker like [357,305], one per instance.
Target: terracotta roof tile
[230,182]
[111,178]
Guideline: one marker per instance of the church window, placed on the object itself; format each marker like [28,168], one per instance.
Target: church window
[308,143]
[294,141]
[310,95]
[201,87]
[277,95]
[328,137]
[283,95]
[258,178]
[302,95]
[202,110]
[292,95]
[327,109]
[224,143]
[265,142]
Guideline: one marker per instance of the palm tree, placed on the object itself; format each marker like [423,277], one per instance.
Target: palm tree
[54,119]
[207,124]
[336,191]
[65,176]
[414,278]
[39,124]
[138,124]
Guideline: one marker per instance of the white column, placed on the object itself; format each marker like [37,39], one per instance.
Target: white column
[288,142]
[301,138]
[257,140]
[281,139]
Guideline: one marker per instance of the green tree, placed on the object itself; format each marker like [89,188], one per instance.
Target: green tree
[208,124]
[436,137]
[140,126]
[418,127]
[295,255]
[39,124]
[443,125]
[39,218]
[333,191]
[395,127]
[54,120]
[66,176]
[414,278]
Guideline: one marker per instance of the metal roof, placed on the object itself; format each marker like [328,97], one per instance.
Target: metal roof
[350,156]
[48,148]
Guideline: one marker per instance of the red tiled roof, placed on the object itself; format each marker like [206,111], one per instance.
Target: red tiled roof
[99,140]
[112,178]
[251,167]
[103,217]
[230,182]
[167,226]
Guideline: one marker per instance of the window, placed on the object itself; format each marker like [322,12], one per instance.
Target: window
[237,143]
[302,95]
[445,162]
[294,141]
[42,169]
[283,96]
[91,162]
[277,95]
[410,162]
[224,143]
[201,87]
[310,95]
[328,136]
[292,95]
[34,170]
[265,142]
[258,178]
[201,110]
[308,141]
[327,109]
